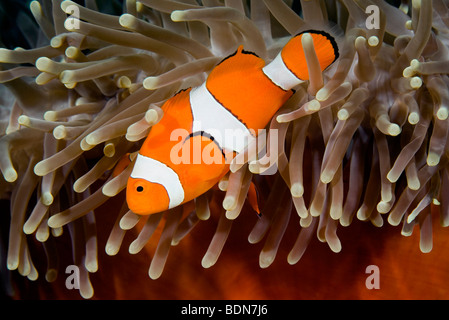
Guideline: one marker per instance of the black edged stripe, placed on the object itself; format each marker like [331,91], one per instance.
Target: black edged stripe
[234,115]
[279,85]
[207,135]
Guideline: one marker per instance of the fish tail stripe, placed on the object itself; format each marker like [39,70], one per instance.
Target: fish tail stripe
[155,171]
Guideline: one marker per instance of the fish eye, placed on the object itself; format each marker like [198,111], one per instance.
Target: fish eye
[139,189]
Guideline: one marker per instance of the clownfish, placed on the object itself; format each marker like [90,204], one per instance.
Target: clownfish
[221,116]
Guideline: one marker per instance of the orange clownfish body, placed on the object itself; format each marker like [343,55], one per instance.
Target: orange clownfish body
[188,151]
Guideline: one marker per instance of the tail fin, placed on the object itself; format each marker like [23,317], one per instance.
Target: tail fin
[326,49]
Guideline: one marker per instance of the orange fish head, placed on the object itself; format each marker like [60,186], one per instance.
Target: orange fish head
[144,197]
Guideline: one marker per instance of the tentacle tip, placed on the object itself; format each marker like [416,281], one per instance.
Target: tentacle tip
[416,4]
[78,187]
[394,129]
[393,221]
[154,274]
[383,207]
[60,132]
[297,190]
[343,114]
[47,198]
[414,185]
[150,83]
[86,146]
[253,167]
[433,159]
[50,115]
[281,119]
[408,25]
[229,203]
[56,42]
[416,82]
[24,120]
[71,23]
[373,41]
[124,82]
[335,246]
[378,221]
[414,64]
[12,264]
[151,116]
[408,72]
[322,94]
[442,113]
[125,224]
[223,185]
[91,266]
[326,177]
[265,260]
[206,262]
[51,275]
[66,4]
[231,215]
[88,292]
[391,177]
[344,222]
[306,39]
[134,248]
[425,247]
[360,40]
[291,260]
[33,275]
[413,118]
[109,190]
[140,7]
[109,150]
[252,239]
[411,218]
[28,228]
[42,236]
[127,20]
[66,77]
[10,175]
[72,52]
[177,15]
[53,222]
[111,250]
[35,6]
[314,105]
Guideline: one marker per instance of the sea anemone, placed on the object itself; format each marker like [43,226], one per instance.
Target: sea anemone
[366,138]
